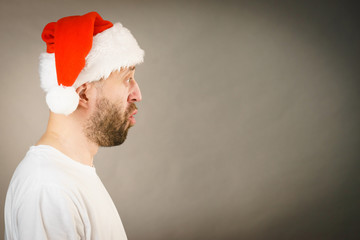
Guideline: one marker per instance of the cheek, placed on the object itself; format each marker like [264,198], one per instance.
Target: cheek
[122,103]
[122,100]
[118,94]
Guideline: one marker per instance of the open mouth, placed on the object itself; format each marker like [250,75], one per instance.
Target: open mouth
[132,118]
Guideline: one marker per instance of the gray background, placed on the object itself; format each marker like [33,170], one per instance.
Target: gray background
[249,124]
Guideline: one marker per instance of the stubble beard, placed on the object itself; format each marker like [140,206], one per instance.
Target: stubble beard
[109,124]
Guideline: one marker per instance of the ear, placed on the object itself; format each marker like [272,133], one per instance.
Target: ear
[83,92]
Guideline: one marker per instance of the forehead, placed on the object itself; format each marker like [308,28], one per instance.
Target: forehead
[116,75]
[127,69]
[122,73]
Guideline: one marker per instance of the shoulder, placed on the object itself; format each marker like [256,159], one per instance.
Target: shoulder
[40,169]
[46,187]
[37,166]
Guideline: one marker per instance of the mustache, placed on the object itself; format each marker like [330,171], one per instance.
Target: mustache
[132,107]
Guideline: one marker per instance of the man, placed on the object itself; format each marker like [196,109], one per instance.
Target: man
[88,76]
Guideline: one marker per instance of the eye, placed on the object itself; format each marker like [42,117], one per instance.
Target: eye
[128,80]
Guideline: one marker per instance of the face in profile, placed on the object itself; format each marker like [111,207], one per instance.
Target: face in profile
[114,109]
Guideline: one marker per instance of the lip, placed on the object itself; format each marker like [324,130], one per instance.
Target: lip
[132,118]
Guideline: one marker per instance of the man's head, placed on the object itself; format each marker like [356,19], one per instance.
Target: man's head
[107,107]
[87,73]
[82,49]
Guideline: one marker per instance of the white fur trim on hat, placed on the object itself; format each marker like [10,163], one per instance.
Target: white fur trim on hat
[111,50]
[47,69]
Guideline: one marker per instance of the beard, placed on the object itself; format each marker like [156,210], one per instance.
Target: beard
[109,124]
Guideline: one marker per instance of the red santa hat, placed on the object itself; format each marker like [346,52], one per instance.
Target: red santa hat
[82,49]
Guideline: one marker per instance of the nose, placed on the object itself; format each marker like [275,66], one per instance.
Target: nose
[135,94]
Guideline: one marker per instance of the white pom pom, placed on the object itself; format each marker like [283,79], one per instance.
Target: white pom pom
[62,100]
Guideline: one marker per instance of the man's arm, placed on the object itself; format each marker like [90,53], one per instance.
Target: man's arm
[49,212]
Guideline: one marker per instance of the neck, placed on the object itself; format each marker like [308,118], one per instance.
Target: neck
[65,133]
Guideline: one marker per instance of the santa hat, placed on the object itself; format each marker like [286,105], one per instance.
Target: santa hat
[82,49]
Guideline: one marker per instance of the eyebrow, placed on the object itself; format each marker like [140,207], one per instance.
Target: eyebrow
[132,68]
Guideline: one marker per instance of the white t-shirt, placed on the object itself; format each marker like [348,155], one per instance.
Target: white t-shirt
[52,196]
